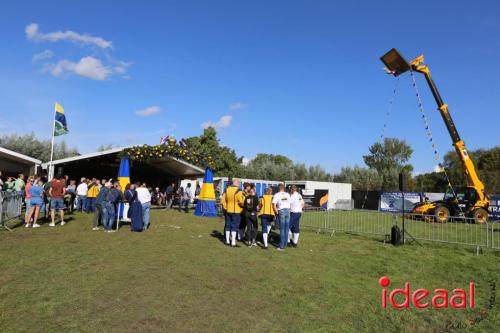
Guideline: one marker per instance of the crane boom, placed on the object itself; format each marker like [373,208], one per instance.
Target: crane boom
[478,204]
[467,164]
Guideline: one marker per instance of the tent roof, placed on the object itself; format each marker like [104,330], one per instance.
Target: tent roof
[85,156]
[169,165]
[18,157]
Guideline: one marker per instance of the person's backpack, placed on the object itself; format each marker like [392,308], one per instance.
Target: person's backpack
[395,235]
[249,204]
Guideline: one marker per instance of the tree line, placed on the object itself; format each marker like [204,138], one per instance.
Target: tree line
[383,163]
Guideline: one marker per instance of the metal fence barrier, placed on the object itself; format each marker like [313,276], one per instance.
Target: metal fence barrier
[11,204]
[495,235]
[458,230]
[347,204]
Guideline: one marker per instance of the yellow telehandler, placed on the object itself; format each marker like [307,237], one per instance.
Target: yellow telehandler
[470,201]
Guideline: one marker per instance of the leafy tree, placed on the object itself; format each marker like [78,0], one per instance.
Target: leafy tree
[486,161]
[488,164]
[29,145]
[389,159]
[105,147]
[300,171]
[361,178]
[317,173]
[271,167]
[225,161]
[279,167]
[430,182]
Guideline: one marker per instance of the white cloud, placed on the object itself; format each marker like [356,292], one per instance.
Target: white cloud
[223,122]
[236,106]
[149,111]
[34,34]
[88,67]
[47,54]
[438,168]
[246,160]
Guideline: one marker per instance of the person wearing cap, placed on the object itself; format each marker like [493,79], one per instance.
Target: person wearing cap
[266,214]
[281,204]
[296,206]
[234,202]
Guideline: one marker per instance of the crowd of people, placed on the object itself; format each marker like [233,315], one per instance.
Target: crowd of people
[242,209]
[101,198]
[104,198]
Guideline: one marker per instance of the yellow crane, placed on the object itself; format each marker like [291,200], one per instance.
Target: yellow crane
[470,201]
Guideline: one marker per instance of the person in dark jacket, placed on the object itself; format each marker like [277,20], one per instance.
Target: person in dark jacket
[134,209]
[109,209]
[251,206]
[169,195]
[243,221]
[99,204]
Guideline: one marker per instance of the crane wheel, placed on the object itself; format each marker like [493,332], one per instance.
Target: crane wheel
[480,215]
[441,214]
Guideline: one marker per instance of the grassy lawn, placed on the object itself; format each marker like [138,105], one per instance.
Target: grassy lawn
[178,276]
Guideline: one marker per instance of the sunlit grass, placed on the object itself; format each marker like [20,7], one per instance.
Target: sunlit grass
[178,276]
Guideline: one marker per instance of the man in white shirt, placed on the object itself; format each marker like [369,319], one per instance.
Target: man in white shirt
[281,205]
[81,195]
[186,198]
[296,205]
[144,197]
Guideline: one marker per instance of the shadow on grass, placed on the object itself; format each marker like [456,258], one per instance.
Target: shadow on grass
[217,234]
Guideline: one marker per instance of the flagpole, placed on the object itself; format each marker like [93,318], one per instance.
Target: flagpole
[51,167]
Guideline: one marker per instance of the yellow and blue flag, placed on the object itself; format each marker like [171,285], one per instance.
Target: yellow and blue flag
[124,173]
[60,125]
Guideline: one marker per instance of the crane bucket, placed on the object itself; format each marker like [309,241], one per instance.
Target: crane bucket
[395,63]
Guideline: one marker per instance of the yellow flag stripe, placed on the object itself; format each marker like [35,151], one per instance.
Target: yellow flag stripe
[59,108]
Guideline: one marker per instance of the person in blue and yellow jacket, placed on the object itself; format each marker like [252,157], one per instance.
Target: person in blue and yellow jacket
[232,201]
[266,214]
[92,193]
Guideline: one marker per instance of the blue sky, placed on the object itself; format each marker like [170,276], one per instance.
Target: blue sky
[299,78]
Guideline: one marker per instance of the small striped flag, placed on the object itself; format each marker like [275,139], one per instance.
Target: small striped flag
[60,125]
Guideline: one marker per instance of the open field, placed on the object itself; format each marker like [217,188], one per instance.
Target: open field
[178,276]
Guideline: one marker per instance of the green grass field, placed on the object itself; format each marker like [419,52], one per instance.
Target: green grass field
[178,276]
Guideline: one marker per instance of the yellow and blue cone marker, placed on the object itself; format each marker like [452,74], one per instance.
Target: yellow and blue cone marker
[124,180]
[206,202]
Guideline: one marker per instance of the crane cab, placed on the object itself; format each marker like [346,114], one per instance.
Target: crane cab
[463,202]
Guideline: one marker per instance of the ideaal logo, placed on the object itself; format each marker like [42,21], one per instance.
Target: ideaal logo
[422,298]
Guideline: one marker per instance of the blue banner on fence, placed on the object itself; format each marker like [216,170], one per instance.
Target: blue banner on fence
[393,201]
[495,207]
